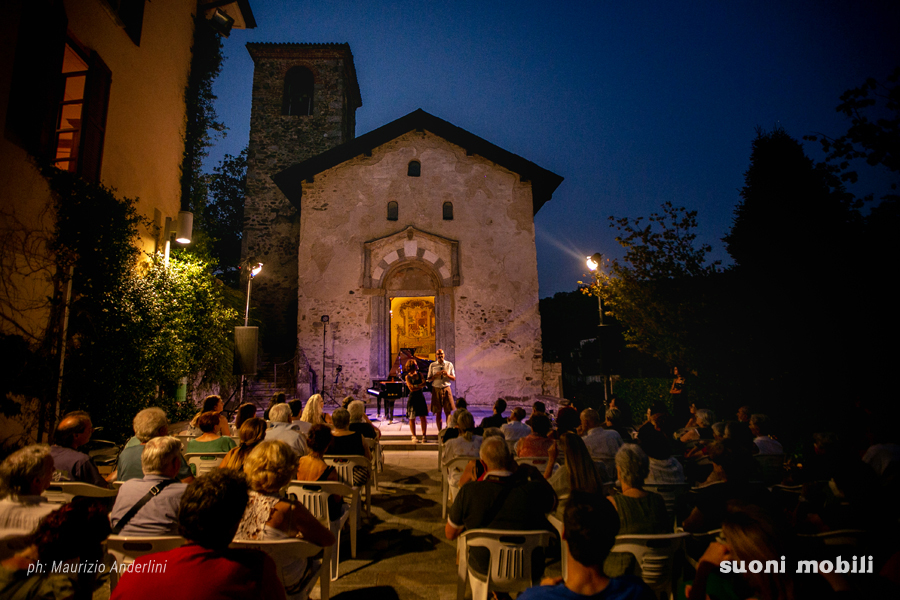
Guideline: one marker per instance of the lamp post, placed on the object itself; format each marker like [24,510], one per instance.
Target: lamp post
[179,229]
[593,263]
[253,273]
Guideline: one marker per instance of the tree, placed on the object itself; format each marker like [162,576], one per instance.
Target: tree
[656,291]
[223,219]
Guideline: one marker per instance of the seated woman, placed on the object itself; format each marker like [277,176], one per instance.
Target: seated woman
[24,476]
[245,411]
[277,398]
[537,443]
[252,432]
[464,444]
[213,404]
[476,468]
[360,423]
[579,473]
[313,467]
[269,516]
[639,511]
[210,440]
[313,412]
[702,430]
[349,443]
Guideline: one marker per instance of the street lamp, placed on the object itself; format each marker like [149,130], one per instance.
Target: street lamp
[253,273]
[179,229]
[593,263]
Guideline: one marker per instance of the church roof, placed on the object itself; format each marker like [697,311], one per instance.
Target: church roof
[543,182]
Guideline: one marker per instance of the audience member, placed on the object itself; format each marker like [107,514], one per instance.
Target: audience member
[245,411]
[277,398]
[579,472]
[210,440]
[639,511]
[296,410]
[657,419]
[208,517]
[252,432]
[537,443]
[465,444]
[313,467]
[461,405]
[360,423]
[615,420]
[213,404]
[567,419]
[72,536]
[496,419]
[664,468]
[349,443]
[538,408]
[475,468]
[314,411]
[702,429]
[760,428]
[74,431]
[599,441]
[24,476]
[515,429]
[148,424]
[158,515]
[522,498]
[280,417]
[590,526]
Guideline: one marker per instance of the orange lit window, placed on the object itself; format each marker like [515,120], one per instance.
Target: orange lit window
[68,124]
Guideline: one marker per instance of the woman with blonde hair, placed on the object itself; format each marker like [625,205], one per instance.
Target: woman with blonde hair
[313,412]
[252,432]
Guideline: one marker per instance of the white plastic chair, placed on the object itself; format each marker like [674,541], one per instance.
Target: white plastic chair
[538,462]
[316,501]
[287,551]
[202,463]
[377,463]
[125,549]
[608,461]
[460,463]
[655,555]
[63,491]
[344,464]
[564,548]
[671,493]
[510,564]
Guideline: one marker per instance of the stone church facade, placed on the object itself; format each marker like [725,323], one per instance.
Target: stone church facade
[417,235]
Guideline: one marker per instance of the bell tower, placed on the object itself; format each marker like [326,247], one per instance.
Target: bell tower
[305,98]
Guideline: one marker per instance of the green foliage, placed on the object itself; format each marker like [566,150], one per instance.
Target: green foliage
[206,62]
[639,394]
[653,291]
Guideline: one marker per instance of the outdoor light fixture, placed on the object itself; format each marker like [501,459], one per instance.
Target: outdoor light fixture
[593,262]
[253,273]
[221,22]
[180,229]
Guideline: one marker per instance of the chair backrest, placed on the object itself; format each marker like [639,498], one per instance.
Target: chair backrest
[655,555]
[202,463]
[315,501]
[608,461]
[510,564]
[344,464]
[125,549]
[285,553]
[64,491]
[671,493]
[539,462]
[185,438]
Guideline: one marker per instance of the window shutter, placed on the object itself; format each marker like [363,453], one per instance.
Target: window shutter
[35,88]
[93,119]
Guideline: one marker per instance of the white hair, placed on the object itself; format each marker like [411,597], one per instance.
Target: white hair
[280,413]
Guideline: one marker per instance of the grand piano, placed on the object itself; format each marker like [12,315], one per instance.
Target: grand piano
[394,386]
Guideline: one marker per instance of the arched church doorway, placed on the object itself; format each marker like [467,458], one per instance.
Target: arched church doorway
[413,323]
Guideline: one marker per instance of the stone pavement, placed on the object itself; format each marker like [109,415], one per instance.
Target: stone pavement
[402,545]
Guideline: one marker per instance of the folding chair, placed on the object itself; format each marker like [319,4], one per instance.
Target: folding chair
[202,463]
[655,556]
[344,464]
[459,462]
[510,564]
[315,498]
[287,552]
[63,491]
[125,549]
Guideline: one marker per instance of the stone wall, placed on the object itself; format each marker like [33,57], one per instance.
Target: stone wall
[491,302]
[271,222]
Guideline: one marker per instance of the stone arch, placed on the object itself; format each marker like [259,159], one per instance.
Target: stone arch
[410,263]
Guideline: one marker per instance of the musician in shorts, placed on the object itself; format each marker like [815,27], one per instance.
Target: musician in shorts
[440,374]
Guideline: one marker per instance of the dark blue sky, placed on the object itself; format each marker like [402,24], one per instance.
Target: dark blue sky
[634,103]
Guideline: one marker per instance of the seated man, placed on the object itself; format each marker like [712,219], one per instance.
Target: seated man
[24,476]
[515,429]
[280,416]
[599,441]
[501,500]
[590,525]
[211,509]
[497,419]
[759,426]
[160,461]
[74,431]
[537,443]
[148,424]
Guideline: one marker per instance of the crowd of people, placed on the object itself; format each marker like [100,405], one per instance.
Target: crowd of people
[599,472]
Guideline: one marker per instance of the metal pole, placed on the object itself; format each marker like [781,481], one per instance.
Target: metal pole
[247,309]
